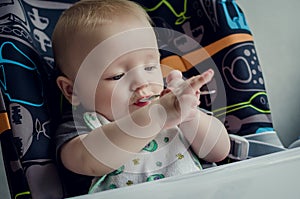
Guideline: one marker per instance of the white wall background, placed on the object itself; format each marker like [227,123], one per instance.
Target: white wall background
[275,25]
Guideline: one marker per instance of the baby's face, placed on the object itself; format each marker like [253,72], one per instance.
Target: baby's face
[132,77]
[121,70]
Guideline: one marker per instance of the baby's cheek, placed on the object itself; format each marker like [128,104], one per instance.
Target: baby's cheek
[157,88]
[120,105]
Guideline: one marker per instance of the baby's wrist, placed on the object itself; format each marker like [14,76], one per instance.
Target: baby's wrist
[170,113]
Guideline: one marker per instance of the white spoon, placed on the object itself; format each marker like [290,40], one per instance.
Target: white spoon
[155,96]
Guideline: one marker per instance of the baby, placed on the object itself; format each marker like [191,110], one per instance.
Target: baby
[107,53]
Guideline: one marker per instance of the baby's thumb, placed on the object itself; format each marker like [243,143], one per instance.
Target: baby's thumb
[174,78]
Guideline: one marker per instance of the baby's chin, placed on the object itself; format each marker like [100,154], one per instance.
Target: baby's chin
[134,107]
[118,114]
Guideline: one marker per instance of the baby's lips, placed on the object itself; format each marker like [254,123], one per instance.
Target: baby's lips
[165,91]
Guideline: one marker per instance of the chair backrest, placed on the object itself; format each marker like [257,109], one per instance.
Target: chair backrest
[215,33]
[32,100]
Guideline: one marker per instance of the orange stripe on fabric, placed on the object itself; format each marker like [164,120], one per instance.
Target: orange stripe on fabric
[170,63]
[193,58]
[4,122]
[201,54]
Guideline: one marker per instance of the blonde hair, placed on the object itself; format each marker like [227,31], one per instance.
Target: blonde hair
[85,16]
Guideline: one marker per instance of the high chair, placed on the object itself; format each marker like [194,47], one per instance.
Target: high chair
[214,34]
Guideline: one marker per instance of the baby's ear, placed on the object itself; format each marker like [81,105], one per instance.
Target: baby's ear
[66,87]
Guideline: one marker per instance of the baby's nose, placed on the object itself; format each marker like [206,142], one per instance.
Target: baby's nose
[137,78]
[139,84]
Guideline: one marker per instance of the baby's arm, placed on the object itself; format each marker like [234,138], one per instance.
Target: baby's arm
[207,135]
[110,146]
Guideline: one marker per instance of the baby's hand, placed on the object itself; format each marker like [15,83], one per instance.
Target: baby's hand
[181,103]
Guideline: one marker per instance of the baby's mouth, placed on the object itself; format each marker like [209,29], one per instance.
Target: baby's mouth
[145,100]
[141,103]
[150,98]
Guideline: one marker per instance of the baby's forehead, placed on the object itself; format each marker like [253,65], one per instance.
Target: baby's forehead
[100,46]
[148,54]
[107,50]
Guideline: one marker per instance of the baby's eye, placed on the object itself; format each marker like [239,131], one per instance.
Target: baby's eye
[150,68]
[116,77]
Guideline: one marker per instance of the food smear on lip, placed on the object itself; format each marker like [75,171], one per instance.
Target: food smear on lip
[143,101]
[141,104]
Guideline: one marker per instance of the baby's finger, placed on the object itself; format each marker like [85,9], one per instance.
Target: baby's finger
[200,80]
[174,79]
[198,93]
[174,74]
[165,91]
